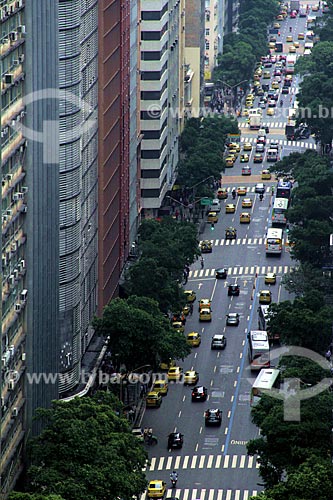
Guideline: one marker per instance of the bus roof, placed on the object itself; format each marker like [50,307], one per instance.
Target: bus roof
[266,378]
[280,203]
[285,184]
[274,232]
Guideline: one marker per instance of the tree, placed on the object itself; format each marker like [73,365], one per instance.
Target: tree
[16,495]
[86,451]
[139,332]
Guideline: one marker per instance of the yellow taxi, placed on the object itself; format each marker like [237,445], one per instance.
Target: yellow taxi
[275,85]
[222,193]
[267,74]
[190,296]
[280,17]
[277,26]
[235,146]
[245,112]
[270,279]
[175,373]
[296,44]
[270,111]
[229,161]
[247,146]
[258,71]
[178,326]
[265,297]
[244,158]
[247,203]
[233,151]
[230,208]
[153,399]
[204,303]
[206,246]
[266,175]
[244,217]
[205,314]
[289,78]
[250,96]
[191,377]
[256,77]
[165,365]
[289,39]
[256,83]
[292,49]
[161,386]
[156,488]
[193,339]
[271,45]
[301,36]
[186,310]
[241,191]
[212,217]
[249,105]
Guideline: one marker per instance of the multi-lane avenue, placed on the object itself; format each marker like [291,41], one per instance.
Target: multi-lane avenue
[213,463]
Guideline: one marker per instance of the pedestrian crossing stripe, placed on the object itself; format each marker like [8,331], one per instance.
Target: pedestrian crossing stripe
[299,144]
[201,462]
[242,271]
[207,494]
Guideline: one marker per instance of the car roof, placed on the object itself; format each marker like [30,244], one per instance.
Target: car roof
[218,336]
[233,314]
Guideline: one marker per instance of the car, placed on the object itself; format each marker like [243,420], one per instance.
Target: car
[191,377]
[245,112]
[265,297]
[161,386]
[287,83]
[248,105]
[205,314]
[293,14]
[206,246]
[153,399]
[315,8]
[229,161]
[277,72]
[175,373]
[230,233]
[257,158]
[292,49]
[274,144]
[273,58]
[246,171]
[275,85]
[266,175]
[178,326]
[268,63]
[232,319]
[280,17]
[213,417]
[175,440]
[270,112]
[204,303]
[300,36]
[233,290]
[241,190]
[302,13]
[235,146]
[260,147]
[199,393]
[233,151]
[138,433]
[266,75]
[260,91]
[156,488]
[230,208]
[271,45]
[277,26]
[222,193]
[221,273]
[289,39]
[190,296]
[261,139]
[260,188]
[186,309]
[193,339]
[247,146]
[245,218]
[244,158]
[296,44]
[270,279]
[246,203]
[215,205]
[272,103]
[212,217]
[285,90]
[273,95]
[262,104]
[218,342]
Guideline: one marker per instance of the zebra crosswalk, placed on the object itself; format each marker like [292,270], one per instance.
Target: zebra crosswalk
[241,271]
[238,241]
[178,462]
[282,142]
[207,494]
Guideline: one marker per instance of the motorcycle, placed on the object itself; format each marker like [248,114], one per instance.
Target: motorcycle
[149,438]
[261,197]
[173,483]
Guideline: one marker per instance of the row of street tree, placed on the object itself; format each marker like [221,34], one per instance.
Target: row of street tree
[296,456]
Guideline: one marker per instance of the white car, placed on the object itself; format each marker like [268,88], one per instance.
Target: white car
[260,188]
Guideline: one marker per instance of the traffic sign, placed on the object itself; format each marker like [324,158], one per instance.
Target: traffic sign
[206,201]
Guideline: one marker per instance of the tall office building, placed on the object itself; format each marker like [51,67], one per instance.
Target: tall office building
[159,67]
[213,34]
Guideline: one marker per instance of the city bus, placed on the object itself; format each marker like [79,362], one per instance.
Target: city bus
[265,381]
[290,64]
[263,319]
[274,241]
[258,350]
[283,189]
[280,207]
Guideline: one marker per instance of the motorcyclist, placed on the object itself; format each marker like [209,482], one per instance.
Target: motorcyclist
[281,102]
[261,197]
[290,29]
[174,478]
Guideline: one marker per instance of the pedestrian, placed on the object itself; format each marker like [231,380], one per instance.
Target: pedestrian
[202,262]
[131,414]
[191,309]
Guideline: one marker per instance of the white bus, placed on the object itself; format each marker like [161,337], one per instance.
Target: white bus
[279,212]
[274,241]
[290,63]
[265,381]
[263,318]
[258,350]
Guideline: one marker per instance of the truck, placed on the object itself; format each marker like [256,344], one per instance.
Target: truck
[294,5]
[290,130]
[290,64]
[255,122]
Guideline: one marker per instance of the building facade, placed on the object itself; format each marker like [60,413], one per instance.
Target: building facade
[159,100]
[214,10]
